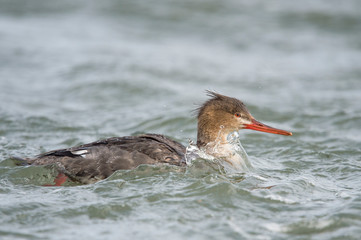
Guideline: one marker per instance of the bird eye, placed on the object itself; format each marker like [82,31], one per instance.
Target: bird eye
[237,115]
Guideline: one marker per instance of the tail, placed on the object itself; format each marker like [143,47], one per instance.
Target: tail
[19,161]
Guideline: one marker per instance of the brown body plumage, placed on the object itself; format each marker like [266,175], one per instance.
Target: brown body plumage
[98,160]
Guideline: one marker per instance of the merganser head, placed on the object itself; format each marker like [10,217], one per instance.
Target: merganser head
[222,115]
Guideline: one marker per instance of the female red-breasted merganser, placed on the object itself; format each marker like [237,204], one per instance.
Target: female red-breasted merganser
[218,117]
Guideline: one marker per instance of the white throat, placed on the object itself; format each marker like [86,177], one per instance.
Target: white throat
[230,153]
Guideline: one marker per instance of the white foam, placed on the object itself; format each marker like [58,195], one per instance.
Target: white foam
[230,155]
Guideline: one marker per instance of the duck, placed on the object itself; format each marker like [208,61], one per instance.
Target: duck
[218,118]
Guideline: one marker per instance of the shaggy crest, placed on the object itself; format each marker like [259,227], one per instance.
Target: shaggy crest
[223,103]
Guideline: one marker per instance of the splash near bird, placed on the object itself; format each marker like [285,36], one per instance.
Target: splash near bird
[218,119]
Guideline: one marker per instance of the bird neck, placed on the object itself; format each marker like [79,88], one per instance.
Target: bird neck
[211,133]
[225,147]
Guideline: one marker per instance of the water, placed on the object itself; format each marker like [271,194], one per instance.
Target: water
[72,72]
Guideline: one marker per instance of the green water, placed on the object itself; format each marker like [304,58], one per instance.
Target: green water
[72,72]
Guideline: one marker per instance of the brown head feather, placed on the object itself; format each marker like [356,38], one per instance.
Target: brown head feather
[219,102]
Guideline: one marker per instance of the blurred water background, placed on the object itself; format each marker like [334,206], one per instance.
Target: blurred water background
[76,71]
